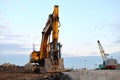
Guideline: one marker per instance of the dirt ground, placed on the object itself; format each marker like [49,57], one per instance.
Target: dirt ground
[28,76]
[72,75]
[13,72]
[19,76]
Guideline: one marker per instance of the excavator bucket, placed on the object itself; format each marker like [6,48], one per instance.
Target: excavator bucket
[50,67]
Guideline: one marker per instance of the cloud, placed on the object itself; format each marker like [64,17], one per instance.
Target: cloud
[95,53]
[15,45]
[13,48]
[12,42]
[110,30]
[117,42]
[115,30]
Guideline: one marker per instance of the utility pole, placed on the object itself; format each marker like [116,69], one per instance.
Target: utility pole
[85,64]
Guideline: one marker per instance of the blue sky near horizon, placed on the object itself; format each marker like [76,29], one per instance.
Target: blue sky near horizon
[83,22]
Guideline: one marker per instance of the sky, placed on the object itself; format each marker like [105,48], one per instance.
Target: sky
[83,22]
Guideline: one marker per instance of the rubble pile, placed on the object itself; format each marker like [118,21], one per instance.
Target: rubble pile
[11,68]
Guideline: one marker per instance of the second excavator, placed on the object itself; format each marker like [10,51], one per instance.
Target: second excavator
[48,58]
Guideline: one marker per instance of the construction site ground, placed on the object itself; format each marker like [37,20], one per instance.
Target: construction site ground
[23,73]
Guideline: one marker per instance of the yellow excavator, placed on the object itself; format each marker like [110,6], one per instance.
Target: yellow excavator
[48,58]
